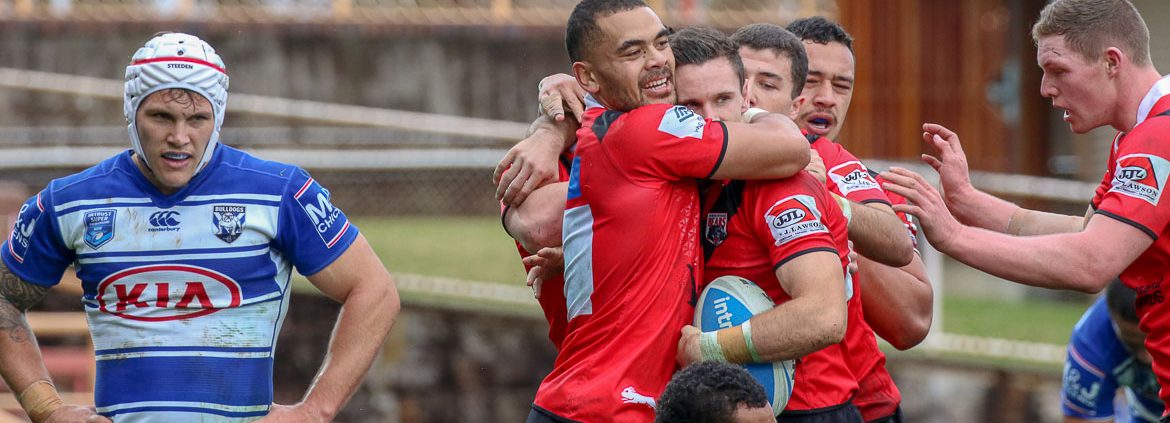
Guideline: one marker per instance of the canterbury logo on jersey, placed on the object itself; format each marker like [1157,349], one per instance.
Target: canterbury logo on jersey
[166,220]
[1141,176]
[157,293]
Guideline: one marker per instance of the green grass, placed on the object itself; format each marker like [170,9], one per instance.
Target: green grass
[473,248]
[1036,321]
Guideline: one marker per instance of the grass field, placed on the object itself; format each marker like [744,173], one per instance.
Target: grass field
[476,248]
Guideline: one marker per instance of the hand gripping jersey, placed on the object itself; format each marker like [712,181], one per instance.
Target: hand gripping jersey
[1131,192]
[185,293]
[752,228]
[1097,365]
[631,258]
[877,396]
[552,291]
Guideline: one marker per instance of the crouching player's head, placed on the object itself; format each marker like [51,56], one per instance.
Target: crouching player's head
[714,392]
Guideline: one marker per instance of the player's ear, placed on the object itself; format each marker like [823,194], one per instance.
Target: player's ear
[587,77]
[1114,57]
[794,112]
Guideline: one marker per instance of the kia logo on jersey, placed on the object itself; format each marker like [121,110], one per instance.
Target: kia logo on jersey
[1141,176]
[794,217]
[852,176]
[159,293]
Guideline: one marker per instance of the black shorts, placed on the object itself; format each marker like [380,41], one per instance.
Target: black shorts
[540,415]
[844,413]
[893,418]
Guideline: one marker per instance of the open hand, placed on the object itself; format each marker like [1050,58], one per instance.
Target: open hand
[926,203]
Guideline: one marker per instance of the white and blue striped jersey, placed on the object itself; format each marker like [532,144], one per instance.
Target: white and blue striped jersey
[184,293]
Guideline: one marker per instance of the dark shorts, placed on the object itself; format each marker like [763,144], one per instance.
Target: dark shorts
[540,415]
[893,418]
[844,413]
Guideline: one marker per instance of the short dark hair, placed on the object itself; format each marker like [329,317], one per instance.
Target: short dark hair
[770,37]
[1091,26]
[698,45]
[582,29]
[1120,299]
[709,392]
[821,31]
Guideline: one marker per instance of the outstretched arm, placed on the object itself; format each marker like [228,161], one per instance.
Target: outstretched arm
[369,304]
[977,208]
[1074,261]
[20,357]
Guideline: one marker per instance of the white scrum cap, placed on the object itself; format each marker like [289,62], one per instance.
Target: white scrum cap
[175,60]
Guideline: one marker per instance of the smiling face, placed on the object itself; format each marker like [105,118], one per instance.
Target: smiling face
[769,79]
[174,126]
[631,64]
[711,89]
[827,90]
[1077,85]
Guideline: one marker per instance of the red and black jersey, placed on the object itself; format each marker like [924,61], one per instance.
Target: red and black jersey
[632,258]
[1136,180]
[750,229]
[847,176]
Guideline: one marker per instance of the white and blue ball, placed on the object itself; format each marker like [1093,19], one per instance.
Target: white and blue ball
[730,301]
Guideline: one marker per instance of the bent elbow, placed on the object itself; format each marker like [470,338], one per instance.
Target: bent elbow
[796,160]
[832,327]
[913,334]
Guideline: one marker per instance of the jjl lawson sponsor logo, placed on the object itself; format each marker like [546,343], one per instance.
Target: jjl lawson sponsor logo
[159,293]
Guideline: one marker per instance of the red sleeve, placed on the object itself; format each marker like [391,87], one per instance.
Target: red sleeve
[848,176]
[1107,180]
[667,142]
[1140,170]
[789,218]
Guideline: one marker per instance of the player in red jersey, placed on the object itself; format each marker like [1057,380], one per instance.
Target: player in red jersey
[788,236]
[897,295]
[631,219]
[1097,68]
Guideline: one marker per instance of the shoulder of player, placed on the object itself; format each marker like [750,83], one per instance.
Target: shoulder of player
[1151,134]
[236,162]
[1095,341]
[772,190]
[75,186]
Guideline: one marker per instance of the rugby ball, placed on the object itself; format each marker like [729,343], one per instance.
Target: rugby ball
[728,301]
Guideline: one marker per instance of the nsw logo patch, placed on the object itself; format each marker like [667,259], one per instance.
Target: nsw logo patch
[99,227]
[852,176]
[682,122]
[794,217]
[1141,176]
[228,221]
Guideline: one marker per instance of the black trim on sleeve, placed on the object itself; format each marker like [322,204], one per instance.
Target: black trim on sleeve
[818,410]
[876,200]
[722,152]
[540,415]
[803,252]
[1140,227]
[504,220]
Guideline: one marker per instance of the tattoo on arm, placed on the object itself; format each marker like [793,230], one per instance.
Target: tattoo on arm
[16,296]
